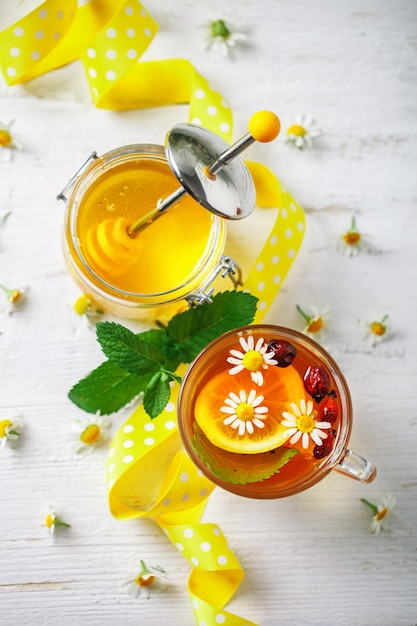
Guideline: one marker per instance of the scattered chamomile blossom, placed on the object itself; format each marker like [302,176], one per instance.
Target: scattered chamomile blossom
[315,324]
[7,142]
[243,411]
[302,424]
[147,577]
[14,297]
[90,432]
[302,131]
[10,429]
[52,521]
[352,242]
[254,358]
[85,307]
[219,37]
[381,513]
[375,331]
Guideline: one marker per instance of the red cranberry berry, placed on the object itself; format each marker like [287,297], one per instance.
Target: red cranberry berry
[328,411]
[284,352]
[326,447]
[317,382]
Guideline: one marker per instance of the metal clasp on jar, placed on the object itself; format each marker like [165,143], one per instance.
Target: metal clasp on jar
[71,181]
[226,268]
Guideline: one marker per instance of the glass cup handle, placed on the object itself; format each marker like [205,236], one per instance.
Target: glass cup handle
[356,467]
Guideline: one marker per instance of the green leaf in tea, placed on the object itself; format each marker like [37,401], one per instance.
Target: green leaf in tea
[240,469]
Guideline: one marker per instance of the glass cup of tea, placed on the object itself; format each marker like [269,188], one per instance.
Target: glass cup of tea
[265,412]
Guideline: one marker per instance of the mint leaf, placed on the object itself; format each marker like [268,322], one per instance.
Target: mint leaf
[157,394]
[136,353]
[107,389]
[189,332]
[240,469]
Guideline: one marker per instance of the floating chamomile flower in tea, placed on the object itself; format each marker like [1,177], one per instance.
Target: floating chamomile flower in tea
[52,521]
[314,323]
[302,424]
[8,142]
[253,358]
[302,131]
[383,512]
[219,37]
[90,432]
[148,579]
[10,429]
[352,242]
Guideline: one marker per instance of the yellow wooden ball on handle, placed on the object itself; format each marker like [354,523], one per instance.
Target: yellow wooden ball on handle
[264,126]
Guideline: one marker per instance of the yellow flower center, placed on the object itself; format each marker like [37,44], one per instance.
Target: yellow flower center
[5,138]
[91,434]
[4,426]
[253,360]
[297,130]
[245,411]
[315,325]
[144,581]
[15,295]
[382,514]
[50,520]
[378,329]
[306,423]
[352,238]
[81,305]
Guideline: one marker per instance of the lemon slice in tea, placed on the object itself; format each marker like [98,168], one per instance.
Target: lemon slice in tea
[237,415]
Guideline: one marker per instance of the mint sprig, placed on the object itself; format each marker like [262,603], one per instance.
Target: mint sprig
[145,363]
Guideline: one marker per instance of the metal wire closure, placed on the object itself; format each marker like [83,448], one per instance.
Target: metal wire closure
[226,268]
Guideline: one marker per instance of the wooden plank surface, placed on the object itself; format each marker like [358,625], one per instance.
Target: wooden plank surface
[308,559]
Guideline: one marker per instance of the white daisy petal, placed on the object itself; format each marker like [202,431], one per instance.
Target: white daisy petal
[295,437]
[303,406]
[242,395]
[289,423]
[295,409]
[249,427]
[309,407]
[236,423]
[228,409]
[323,424]
[229,419]
[260,409]
[258,423]
[242,427]
[251,396]
[305,441]
[236,369]
[237,353]
[234,397]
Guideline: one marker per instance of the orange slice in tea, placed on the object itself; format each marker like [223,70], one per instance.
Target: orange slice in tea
[226,396]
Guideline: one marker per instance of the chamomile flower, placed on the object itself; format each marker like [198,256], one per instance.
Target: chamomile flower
[10,429]
[14,298]
[254,358]
[52,521]
[219,37]
[8,142]
[244,412]
[375,331]
[85,307]
[149,577]
[352,242]
[302,131]
[382,514]
[302,424]
[314,323]
[90,432]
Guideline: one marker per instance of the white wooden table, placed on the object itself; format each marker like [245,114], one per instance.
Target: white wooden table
[308,560]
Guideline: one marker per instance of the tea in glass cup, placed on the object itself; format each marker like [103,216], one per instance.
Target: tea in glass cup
[265,412]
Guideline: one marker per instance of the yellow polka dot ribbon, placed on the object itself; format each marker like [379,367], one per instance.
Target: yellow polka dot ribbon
[148,473]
